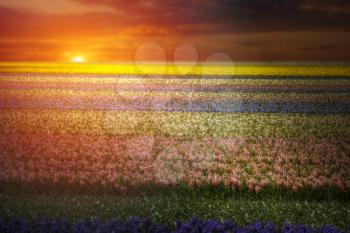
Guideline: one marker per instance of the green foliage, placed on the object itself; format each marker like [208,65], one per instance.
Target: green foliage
[170,204]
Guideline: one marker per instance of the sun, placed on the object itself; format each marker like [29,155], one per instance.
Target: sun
[78,59]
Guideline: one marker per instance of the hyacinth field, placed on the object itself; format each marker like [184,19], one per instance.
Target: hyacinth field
[266,147]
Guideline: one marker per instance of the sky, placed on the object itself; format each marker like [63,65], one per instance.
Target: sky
[169,30]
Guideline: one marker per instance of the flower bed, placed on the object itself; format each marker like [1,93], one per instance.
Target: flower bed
[170,147]
[138,225]
[119,162]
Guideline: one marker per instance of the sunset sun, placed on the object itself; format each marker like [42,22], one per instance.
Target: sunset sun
[78,59]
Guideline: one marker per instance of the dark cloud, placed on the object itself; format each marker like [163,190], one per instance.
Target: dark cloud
[237,15]
[328,7]
[244,29]
[323,47]
[185,17]
[251,44]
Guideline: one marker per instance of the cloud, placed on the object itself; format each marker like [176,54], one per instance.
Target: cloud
[182,17]
[239,16]
[322,47]
[328,7]
[246,30]
[27,24]
[53,7]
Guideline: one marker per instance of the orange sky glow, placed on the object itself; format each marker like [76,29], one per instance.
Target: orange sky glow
[114,31]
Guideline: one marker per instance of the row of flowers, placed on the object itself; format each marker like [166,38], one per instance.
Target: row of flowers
[174,69]
[168,80]
[140,225]
[271,76]
[159,104]
[319,88]
[120,162]
[176,124]
[96,148]
[6,95]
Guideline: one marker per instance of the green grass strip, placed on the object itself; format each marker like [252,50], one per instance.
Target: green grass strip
[168,207]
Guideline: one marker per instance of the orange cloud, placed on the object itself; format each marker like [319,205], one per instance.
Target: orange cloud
[268,31]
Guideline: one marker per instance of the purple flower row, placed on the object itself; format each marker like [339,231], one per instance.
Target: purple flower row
[138,225]
[227,106]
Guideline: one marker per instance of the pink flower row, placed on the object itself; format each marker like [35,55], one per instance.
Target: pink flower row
[123,161]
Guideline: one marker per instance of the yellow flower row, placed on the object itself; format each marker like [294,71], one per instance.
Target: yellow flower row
[170,69]
[177,124]
[248,96]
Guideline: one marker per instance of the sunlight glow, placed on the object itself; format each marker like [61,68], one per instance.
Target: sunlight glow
[78,59]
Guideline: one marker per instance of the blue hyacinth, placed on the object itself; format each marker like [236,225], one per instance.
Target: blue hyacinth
[139,225]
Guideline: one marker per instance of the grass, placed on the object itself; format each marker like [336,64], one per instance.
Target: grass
[166,206]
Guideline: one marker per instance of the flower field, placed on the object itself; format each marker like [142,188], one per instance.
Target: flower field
[114,130]
[143,225]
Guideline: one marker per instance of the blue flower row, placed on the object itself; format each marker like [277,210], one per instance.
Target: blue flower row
[139,225]
[178,105]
